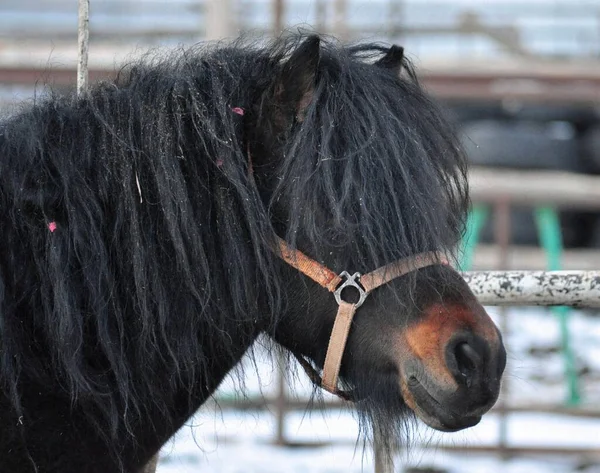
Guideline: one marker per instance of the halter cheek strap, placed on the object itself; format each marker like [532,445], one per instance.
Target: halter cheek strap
[334,283]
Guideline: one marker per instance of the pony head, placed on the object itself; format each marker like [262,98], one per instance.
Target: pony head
[358,169]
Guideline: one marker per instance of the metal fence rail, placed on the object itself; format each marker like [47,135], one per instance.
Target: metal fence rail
[536,288]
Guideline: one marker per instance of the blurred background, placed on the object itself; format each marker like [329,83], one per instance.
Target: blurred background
[521,81]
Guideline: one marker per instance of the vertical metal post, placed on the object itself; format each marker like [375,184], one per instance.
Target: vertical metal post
[281,399]
[340,19]
[320,15]
[502,236]
[278,17]
[151,465]
[379,460]
[83,38]
[395,20]
[219,19]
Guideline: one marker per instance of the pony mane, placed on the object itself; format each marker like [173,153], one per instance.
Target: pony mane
[144,181]
[374,167]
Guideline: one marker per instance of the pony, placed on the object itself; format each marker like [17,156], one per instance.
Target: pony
[140,258]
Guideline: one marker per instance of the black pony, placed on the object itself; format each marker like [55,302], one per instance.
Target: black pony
[138,264]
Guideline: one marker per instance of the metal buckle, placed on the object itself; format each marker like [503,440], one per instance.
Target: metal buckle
[353,282]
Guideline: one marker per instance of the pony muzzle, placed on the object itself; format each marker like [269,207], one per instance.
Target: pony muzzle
[451,365]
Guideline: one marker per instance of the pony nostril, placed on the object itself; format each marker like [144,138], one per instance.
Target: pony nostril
[465,360]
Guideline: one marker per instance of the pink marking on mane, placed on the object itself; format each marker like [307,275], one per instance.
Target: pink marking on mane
[52,227]
[238,110]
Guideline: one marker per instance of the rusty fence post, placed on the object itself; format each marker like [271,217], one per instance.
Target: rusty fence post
[151,465]
[380,462]
[278,17]
[281,401]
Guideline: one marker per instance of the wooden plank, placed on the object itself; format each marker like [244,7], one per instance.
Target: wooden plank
[258,403]
[580,412]
[531,188]
[533,258]
[534,81]
[512,450]
[518,450]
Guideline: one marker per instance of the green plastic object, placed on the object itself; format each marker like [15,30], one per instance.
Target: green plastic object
[551,241]
[475,222]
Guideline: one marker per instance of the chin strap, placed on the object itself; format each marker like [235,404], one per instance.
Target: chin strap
[334,283]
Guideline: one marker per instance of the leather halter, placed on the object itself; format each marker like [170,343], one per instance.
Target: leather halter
[335,283]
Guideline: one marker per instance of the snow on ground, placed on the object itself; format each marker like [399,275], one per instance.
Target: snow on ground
[230,441]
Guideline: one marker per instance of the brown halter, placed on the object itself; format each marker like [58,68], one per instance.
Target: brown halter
[336,284]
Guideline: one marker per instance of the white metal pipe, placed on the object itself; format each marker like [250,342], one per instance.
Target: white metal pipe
[536,288]
[83,37]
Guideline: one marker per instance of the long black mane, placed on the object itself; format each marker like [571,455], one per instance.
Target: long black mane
[374,168]
[162,250]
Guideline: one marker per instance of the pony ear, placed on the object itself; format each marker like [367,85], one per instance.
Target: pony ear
[393,59]
[298,77]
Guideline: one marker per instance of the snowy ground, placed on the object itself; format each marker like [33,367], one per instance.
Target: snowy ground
[227,441]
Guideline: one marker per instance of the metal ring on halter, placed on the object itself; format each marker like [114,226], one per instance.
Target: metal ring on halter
[351,281]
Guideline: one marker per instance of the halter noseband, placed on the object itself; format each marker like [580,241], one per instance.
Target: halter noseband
[336,284]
